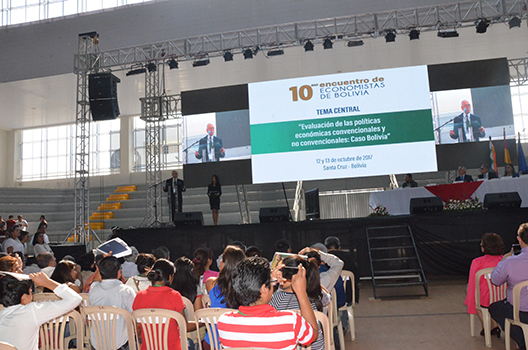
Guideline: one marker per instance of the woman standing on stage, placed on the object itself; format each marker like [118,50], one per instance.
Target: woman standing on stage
[214,191]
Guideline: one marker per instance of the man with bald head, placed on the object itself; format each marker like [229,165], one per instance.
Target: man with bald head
[467,127]
[210,148]
[174,187]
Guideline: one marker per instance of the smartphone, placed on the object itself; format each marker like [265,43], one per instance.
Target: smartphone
[516,249]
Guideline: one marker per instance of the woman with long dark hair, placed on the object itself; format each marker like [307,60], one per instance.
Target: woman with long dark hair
[202,260]
[285,299]
[186,282]
[66,272]
[161,296]
[214,191]
[219,288]
[39,244]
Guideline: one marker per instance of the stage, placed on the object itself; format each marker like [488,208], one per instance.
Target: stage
[447,241]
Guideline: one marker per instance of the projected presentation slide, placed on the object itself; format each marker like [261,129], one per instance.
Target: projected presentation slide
[470,115]
[343,125]
[216,137]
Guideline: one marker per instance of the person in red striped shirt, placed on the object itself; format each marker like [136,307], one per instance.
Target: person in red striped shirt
[257,324]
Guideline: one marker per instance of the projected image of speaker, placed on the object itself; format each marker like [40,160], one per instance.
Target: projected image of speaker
[275,214]
[426,205]
[194,218]
[102,92]
[502,200]
[311,199]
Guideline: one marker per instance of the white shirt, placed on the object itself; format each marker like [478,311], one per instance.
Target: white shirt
[19,324]
[111,292]
[329,278]
[138,283]
[22,224]
[41,248]
[15,243]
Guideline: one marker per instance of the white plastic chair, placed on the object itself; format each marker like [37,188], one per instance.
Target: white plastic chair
[102,320]
[496,293]
[516,320]
[335,320]
[325,322]
[347,275]
[52,332]
[189,312]
[156,338]
[210,317]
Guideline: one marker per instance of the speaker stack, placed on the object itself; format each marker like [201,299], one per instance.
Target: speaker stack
[502,200]
[276,214]
[102,92]
[426,205]
[194,218]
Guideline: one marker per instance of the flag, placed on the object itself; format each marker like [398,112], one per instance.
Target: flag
[520,154]
[507,159]
[493,157]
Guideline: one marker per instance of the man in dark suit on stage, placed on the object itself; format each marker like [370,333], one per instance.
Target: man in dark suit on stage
[467,127]
[210,148]
[174,187]
[486,173]
[462,175]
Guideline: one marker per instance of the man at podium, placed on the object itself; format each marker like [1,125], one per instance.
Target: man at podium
[467,127]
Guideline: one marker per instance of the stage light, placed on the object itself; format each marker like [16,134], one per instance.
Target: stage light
[248,54]
[200,62]
[309,46]
[136,71]
[353,43]
[173,64]
[275,52]
[447,34]
[152,67]
[514,22]
[228,56]
[390,37]
[328,44]
[482,26]
[414,34]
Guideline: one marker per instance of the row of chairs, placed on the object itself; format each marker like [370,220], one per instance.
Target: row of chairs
[498,293]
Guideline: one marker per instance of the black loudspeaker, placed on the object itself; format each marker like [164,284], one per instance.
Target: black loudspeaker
[102,92]
[75,250]
[194,218]
[276,214]
[426,205]
[502,200]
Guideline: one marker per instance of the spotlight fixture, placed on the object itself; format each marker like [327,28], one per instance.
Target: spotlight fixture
[390,37]
[414,34]
[228,56]
[328,44]
[275,52]
[447,34]
[482,26]
[136,71]
[201,61]
[152,67]
[353,43]
[173,64]
[309,46]
[248,54]
[514,22]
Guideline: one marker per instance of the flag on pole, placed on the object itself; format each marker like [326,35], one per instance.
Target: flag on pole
[507,159]
[493,157]
[520,154]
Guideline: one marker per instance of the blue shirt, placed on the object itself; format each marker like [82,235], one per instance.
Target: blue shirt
[513,270]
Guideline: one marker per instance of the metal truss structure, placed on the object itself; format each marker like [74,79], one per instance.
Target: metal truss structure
[431,18]
[87,52]
[156,107]
[245,217]
[518,71]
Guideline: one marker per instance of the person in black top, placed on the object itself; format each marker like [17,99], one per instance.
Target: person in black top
[214,191]
[409,182]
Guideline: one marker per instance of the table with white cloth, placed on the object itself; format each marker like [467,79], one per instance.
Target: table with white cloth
[397,201]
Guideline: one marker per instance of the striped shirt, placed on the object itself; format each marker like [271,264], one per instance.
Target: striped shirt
[262,326]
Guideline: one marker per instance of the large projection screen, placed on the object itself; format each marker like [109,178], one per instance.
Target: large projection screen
[343,125]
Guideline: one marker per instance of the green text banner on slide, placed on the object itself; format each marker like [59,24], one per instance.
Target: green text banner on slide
[342,125]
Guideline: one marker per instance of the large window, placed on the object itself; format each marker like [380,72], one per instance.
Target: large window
[171,136]
[23,11]
[49,153]
[520,110]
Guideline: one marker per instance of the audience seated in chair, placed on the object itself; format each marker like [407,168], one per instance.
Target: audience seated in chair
[140,282]
[186,282]
[252,291]
[21,318]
